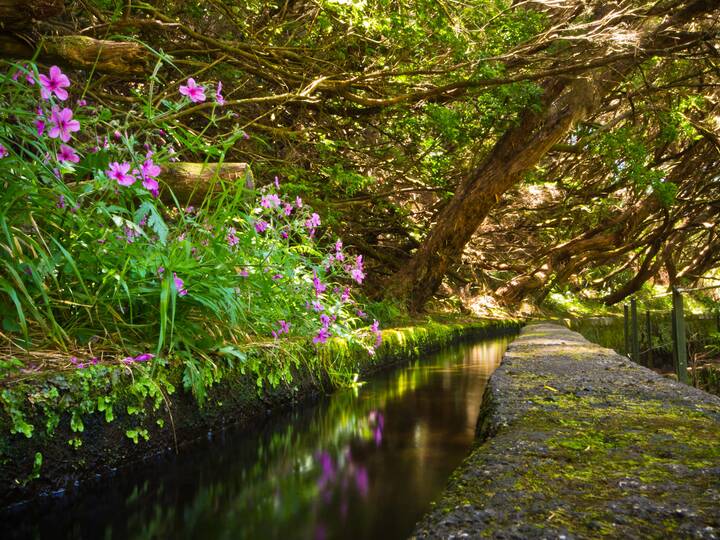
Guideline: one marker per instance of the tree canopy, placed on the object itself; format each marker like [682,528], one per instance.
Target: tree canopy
[511,148]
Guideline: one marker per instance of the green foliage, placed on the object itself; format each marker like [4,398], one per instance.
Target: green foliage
[240,283]
[137,433]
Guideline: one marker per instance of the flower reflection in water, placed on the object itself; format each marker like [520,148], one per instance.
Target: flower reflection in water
[344,475]
[377,420]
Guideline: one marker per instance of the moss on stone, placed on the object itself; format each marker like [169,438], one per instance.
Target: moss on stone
[586,452]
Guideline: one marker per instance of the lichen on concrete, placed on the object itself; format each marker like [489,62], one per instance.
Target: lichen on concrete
[578,442]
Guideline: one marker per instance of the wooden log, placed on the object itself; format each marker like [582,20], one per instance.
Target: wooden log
[191,182]
[123,57]
[14,13]
[81,52]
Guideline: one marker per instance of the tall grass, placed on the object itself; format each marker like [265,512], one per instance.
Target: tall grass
[89,264]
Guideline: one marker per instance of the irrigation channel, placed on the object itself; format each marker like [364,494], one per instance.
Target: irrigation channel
[362,463]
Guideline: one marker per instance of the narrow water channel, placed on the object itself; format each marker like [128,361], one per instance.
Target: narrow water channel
[363,463]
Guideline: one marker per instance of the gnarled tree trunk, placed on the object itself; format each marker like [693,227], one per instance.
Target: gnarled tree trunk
[563,103]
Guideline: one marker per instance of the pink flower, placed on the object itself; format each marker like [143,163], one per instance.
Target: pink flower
[192,90]
[28,75]
[40,125]
[288,209]
[67,154]
[61,202]
[148,172]
[313,222]
[119,173]
[152,186]
[375,328]
[3,151]
[339,255]
[321,336]
[298,202]
[232,238]
[179,285]
[218,96]
[320,287]
[62,124]
[356,272]
[131,234]
[244,273]
[261,226]
[284,327]
[54,84]
[271,201]
[128,360]
[150,169]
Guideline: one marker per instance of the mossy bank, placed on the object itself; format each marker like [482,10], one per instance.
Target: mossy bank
[578,442]
[95,435]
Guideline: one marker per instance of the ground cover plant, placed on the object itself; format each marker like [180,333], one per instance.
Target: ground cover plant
[107,282]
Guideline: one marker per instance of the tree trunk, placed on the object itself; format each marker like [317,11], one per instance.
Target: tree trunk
[518,151]
[647,269]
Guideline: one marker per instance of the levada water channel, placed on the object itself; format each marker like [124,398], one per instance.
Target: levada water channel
[362,463]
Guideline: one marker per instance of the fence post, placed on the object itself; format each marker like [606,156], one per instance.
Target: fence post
[635,336]
[626,329]
[648,330]
[673,333]
[679,336]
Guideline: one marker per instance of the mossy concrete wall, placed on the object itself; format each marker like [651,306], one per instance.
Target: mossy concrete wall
[576,441]
[235,400]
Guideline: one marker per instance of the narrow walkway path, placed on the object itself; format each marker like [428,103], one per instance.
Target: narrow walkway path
[582,443]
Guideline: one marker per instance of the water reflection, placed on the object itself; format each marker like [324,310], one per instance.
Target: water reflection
[364,463]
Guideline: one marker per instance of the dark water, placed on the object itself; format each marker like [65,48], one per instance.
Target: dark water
[364,463]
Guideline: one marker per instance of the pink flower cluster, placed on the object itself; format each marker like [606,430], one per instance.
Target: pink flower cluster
[148,172]
[129,360]
[62,123]
[284,329]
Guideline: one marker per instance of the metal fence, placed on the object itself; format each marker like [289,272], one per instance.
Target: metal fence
[679,341]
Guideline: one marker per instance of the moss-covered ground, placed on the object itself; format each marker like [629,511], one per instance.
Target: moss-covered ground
[581,443]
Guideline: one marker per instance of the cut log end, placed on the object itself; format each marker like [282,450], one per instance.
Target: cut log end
[190,183]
